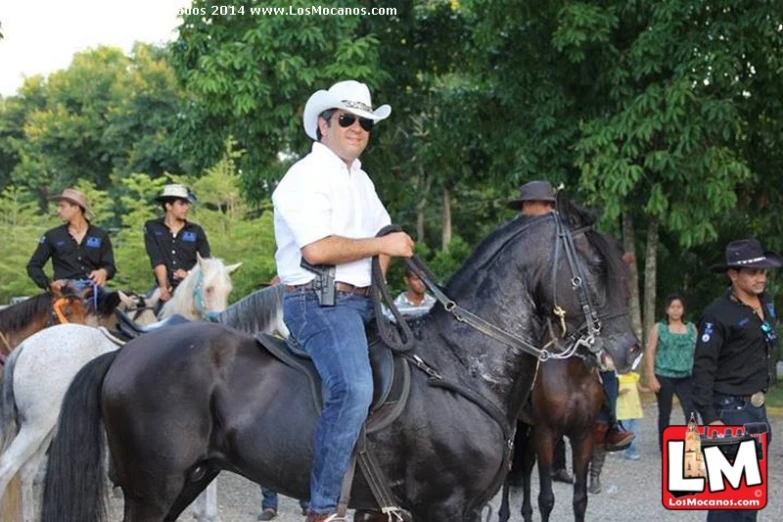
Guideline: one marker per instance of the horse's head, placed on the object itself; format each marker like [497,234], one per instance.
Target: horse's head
[69,306]
[204,292]
[586,289]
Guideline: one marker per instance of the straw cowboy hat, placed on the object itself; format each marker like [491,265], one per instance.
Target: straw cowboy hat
[176,191]
[350,96]
[75,197]
[533,191]
[747,253]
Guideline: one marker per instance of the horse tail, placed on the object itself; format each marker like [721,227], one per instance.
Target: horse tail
[7,403]
[74,485]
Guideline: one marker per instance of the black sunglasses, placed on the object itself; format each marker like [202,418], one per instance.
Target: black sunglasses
[346,120]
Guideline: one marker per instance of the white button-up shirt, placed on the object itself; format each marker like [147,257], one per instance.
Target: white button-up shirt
[318,197]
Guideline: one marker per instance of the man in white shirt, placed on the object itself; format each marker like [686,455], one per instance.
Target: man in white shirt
[413,302]
[327,212]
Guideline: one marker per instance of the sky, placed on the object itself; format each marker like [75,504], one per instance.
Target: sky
[41,36]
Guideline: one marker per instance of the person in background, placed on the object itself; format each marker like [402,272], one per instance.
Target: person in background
[414,301]
[269,505]
[173,242]
[80,251]
[669,362]
[629,409]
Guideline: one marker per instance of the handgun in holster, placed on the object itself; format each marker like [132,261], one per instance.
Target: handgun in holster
[323,284]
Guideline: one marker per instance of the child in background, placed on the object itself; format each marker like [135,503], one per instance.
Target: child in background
[629,409]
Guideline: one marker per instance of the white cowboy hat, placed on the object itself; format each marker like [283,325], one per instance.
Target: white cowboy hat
[350,96]
[176,190]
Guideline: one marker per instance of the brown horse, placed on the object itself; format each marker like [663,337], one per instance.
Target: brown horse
[21,320]
[566,399]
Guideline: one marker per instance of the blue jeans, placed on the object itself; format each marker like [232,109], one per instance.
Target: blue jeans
[632,425]
[269,500]
[608,413]
[737,411]
[335,339]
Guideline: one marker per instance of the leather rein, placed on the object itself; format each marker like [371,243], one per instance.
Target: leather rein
[585,335]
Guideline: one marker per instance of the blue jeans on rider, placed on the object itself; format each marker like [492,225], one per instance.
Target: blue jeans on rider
[735,410]
[608,412]
[334,338]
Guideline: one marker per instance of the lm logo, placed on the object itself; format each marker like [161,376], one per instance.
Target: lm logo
[715,467]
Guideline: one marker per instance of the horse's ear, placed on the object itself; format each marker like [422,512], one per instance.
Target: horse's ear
[231,268]
[110,301]
[126,300]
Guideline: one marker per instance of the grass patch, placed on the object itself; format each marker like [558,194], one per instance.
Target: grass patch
[775,397]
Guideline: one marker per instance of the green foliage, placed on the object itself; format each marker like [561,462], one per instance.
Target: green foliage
[106,116]
[22,226]
[249,77]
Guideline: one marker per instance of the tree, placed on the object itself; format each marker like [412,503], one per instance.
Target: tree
[647,106]
[249,77]
[106,116]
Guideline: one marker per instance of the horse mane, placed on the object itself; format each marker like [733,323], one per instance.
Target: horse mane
[261,311]
[575,216]
[488,250]
[16,317]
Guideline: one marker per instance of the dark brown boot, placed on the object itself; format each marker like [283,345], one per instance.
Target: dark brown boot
[618,439]
[599,433]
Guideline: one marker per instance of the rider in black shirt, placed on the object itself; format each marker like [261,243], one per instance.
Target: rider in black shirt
[172,242]
[79,250]
[736,341]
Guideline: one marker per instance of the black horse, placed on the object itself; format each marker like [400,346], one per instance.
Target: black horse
[181,405]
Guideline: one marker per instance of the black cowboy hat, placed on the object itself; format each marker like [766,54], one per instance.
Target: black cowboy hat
[747,253]
[533,191]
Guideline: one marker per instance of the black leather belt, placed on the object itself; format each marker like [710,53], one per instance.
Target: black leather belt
[347,288]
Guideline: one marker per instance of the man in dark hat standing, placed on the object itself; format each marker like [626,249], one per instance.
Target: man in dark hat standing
[735,345]
[173,242]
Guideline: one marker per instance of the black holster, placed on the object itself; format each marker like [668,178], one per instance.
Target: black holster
[323,284]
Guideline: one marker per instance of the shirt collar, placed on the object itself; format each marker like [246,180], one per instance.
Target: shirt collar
[326,154]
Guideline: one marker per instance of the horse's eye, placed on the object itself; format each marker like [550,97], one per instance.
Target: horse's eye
[210,289]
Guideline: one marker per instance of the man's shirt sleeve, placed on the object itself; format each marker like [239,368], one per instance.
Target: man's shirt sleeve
[712,335]
[203,244]
[107,257]
[307,211]
[152,246]
[39,258]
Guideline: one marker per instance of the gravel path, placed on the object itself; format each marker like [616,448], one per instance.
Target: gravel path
[631,489]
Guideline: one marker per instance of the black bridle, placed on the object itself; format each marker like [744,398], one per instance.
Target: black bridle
[585,336]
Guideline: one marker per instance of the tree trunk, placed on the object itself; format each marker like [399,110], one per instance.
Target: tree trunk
[446,218]
[629,245]
[650,275]
[420,220]
[424,187]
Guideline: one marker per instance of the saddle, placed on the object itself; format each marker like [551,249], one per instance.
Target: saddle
[391,376]
[129,328]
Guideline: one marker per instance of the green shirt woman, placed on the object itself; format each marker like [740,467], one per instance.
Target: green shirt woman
[669,361]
